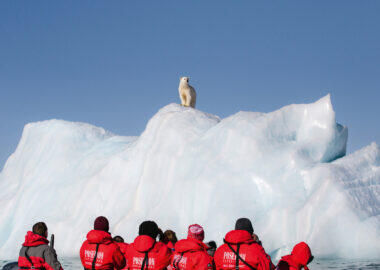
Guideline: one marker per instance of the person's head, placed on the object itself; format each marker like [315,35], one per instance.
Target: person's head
[212,244]
[149,228]
[161,236]
[212,248]
[256,239]
[170,236]
[101,224]
[118,239]
[196,232]
[41,229]
[244,224]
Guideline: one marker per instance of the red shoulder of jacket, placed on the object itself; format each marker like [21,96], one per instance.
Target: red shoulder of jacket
[123,247]
[170,245]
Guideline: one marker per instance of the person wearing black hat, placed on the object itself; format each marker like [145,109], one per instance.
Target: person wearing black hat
[122,245]
[211,248]
[99,251]
[246,225]
[241,251]
[145,252]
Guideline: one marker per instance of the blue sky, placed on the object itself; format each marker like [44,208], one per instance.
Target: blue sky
[115,63]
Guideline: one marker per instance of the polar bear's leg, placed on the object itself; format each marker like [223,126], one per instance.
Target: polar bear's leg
[188,100]
[183,99]
[192,102]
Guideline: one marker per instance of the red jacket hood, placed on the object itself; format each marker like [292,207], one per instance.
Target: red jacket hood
[185,245]
[99,237]
[300,255]
[144,243]
[32,240]
[238,237]
[123,247]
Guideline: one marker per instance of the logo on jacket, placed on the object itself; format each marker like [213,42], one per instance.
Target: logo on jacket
[230,256]
[90,254]
[138,261]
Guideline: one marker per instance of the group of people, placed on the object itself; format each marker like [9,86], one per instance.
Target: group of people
[155,250]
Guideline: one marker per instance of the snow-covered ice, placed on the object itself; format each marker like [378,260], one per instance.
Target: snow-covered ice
[287,170]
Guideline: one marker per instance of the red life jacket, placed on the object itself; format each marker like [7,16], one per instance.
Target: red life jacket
[299,258]
[146,253]
[34,252]
[170,245]
[251,254]
[100,252]
[191,254]
[123,248]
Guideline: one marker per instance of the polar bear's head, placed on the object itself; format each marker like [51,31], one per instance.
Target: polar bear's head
[184,79]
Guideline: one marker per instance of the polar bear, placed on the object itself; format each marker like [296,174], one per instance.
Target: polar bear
[186,93]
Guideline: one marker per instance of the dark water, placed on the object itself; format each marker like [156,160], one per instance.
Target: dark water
[337,264]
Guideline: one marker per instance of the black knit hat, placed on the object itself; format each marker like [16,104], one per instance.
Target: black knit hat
[101,223]
[149,228]
[244,224]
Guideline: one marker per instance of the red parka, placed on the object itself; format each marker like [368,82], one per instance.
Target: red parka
[170,245]
[123,248]
[37,254]
[99,244]
[191,254]
[299,258]
[146,253]
[242,243]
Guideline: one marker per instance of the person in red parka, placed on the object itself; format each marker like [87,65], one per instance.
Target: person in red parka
[35,252]
[300,257]
[211,248]
[191,253]
[241,251]
[123,247]
[170,239]
[145,252]
[99,251]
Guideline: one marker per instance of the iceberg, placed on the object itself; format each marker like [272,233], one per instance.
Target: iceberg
[287,170]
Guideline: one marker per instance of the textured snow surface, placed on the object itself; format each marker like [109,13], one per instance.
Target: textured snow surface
[286,170]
